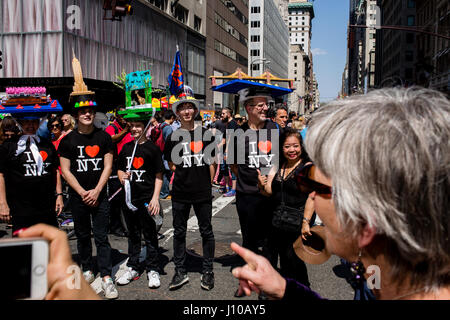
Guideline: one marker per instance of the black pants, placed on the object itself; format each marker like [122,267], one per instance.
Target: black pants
[82,214]
[19,222]
[180,212]
[280,244]
[254,211]
[140,222]
[115,213]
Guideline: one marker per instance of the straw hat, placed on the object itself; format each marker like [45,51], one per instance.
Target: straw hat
[313,250]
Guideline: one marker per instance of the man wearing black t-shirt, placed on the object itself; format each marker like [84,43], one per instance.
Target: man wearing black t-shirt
[260,148]
[185,151]
[29,187]
[230,124]
[86,156]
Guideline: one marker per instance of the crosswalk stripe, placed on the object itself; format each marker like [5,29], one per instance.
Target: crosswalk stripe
[120,267]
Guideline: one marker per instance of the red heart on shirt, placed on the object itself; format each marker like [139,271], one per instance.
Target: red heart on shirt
[138,162]
[265,146]
[92,151]
[196,146]
[44,155]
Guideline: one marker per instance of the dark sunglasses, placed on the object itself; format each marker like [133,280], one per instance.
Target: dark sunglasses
[306,184]
[55,126]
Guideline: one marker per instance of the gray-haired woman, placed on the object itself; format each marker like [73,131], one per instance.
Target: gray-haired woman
[380,186]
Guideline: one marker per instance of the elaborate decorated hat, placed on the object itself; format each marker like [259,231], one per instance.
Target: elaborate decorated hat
[28,103]
[187,95]
[80,97]
[137,114]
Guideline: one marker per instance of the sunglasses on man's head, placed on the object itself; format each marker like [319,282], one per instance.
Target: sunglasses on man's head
[307,184]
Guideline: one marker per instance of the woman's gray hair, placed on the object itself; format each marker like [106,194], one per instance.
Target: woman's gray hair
[388,156]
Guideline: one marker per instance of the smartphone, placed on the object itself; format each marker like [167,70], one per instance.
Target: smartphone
[24,267]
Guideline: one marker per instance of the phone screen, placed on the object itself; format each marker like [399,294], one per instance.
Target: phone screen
[16,266]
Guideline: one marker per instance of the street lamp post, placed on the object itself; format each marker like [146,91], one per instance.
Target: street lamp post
[264,61]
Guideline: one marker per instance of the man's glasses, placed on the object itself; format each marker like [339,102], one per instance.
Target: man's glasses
[306,184]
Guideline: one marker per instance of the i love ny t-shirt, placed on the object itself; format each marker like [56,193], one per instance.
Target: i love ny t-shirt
[27,192]
[86,154]
[192,181]
[147,162]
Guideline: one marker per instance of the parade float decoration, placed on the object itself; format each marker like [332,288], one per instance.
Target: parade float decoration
[27,100]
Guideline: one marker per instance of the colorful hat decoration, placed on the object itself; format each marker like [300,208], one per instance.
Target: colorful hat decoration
[81,97]
[186,96]
[28,103]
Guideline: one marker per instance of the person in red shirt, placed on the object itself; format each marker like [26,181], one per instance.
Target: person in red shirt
[120,134]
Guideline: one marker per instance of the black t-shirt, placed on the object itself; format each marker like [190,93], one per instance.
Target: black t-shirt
[26,192]
[192,181]
[86,154]
[146,164]
[261,152]
[292,196]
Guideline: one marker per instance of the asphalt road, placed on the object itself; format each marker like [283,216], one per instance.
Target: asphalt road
[327,279]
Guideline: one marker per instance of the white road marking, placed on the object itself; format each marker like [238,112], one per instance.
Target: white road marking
[119,269]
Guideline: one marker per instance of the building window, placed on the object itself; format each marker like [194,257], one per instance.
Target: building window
[295,64]
[197,23]
[295,57]
[409,55]
[255,39]
[254,53]
[411,3]
[162,4]
[255,67]
[255,24]
[409,38]
[295,71]
[181,14]
[255,9]
[411,20]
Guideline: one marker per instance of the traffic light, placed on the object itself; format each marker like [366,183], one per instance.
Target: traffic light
[119,9]
[1,54]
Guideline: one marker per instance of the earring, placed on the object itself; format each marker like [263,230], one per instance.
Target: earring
[358,270]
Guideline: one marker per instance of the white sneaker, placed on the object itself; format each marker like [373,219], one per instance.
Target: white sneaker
[128,276]
[109,289]
[89,276]
[153,279]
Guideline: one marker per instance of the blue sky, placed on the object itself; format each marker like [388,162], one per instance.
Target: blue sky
[329,45]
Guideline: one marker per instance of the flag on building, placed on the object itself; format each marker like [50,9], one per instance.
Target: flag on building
[175,79]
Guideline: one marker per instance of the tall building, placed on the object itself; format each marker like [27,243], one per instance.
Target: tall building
[361,46]
[226,44]
[433,53]
[395,49]
[300,15]
[37,38]
[269,39]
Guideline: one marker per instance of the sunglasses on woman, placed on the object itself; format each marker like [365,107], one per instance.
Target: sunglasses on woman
[307,184]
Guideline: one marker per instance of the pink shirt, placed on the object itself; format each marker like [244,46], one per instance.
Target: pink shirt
[110,130]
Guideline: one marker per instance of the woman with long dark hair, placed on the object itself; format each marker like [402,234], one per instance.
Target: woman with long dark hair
[280,184]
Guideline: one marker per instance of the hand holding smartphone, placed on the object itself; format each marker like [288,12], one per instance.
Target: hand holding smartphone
[24,262]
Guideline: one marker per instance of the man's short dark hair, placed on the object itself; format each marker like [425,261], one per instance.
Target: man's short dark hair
[272,113]
[229,110]
[169,115]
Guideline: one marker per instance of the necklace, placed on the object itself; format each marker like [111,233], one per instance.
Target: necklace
[408,294]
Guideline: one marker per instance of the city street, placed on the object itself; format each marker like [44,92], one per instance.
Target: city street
[226,229]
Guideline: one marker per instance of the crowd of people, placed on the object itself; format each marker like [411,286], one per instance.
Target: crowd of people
[373,170]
